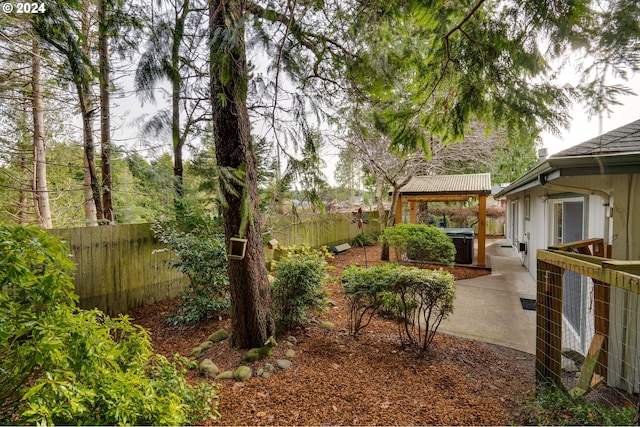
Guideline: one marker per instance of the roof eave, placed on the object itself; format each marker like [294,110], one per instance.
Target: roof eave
[575,166]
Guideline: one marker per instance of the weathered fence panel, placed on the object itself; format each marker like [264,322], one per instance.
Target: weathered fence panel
[319,230]
[118,267]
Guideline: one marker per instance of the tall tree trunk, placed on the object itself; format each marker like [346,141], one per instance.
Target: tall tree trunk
[86,108]
[251,319]
[105,113]
[176,82]
[41,192]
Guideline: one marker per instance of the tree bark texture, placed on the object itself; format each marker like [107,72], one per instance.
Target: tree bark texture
[251,318]
[41,193]
[86,103]
[176,83]
[105,113]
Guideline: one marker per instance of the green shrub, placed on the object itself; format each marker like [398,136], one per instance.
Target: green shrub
[302,249]
[433,291]
[203,258]
[418,299]
[393,307]
[422,243]
[363,239]
[297,288]
[63,365]
[366,290]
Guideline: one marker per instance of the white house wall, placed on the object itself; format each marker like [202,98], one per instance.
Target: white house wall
[624,330]
[618,225]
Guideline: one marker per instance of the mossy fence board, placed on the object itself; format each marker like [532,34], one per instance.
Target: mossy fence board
[120,267]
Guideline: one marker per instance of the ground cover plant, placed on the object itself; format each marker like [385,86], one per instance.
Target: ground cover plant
[560,408]
[60,364]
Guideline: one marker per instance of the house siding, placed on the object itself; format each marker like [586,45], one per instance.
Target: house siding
[618,225]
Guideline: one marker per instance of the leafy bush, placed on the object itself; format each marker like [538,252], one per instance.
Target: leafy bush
[297,288]
[367,289]
[421,243]
[203,258]
[393,307]
[363,239]
[60,364]
[418,299]
[293,250]
[425,299]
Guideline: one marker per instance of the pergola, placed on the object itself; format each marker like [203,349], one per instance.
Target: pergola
[448,188]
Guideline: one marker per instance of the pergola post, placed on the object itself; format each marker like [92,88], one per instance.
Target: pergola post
[412,212]
[482,229]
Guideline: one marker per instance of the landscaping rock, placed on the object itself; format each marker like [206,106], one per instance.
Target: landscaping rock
[226,375]
[290,353]
[205,345]
[268,367]
[261,352]
[242,373]
[219,335]
[292,339]
[196,351]
[327,325]
[265,374]
[283,363]
[208,368]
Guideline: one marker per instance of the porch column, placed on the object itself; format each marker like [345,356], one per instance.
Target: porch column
[412,212]
[482,230]
[399,211]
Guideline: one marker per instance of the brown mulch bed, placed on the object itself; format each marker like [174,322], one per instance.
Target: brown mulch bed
[338,380]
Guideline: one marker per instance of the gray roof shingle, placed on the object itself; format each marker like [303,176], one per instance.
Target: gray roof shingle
[625,139]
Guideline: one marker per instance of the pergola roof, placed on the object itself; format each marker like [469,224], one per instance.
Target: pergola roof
[448,188]
[470,184]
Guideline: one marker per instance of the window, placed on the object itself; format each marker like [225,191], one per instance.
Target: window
[527,207]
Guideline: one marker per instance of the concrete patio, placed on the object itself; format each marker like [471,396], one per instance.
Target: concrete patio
[488,308]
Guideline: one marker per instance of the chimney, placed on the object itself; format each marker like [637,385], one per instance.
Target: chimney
[542,154]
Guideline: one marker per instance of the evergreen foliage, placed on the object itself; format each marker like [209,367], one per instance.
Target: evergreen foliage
[297,289]
[202,257]
[422,243]
[63,365]
[367,290]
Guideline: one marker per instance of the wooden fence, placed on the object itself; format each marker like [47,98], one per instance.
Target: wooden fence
[118,267]
[319,230]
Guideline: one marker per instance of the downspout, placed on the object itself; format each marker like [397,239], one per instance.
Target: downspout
[589,191]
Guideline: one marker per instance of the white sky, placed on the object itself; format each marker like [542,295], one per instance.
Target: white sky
[582,128]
